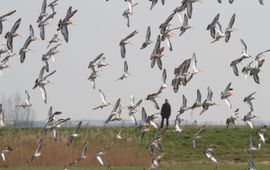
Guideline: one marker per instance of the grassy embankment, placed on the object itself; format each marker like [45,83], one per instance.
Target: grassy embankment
[229,148]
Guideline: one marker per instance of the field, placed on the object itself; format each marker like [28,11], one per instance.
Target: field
[129,153]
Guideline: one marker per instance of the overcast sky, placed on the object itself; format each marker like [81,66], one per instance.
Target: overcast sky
[99,26]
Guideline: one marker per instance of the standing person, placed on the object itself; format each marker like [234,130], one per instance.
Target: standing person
[165,113]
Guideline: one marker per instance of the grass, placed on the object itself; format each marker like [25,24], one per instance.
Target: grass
[202,167]
[229,148]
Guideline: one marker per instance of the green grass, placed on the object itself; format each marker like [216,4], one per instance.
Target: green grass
[229,146]
[201,167]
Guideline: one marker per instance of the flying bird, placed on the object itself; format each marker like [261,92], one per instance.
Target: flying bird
[197,136]
[63,23]
[248,100]
[208,102]
[4,18]
[44,23]
[115,114]
[4,151]
[42,81]
[37,152]
[247,119]
[53,4]
[126,73]
[2,116]
[198,102]
[43,12]
[251,146]
[164,85]
[230,29]
[147,38]
[226,94]
[184,107]
[105,103]
[12,33]
[101,152]
[231,120]
[128,12]
[25,48]
[124,42]
[27,102]
[74,133]
[4,65]
[55,39]
[184,26]
[212,26]
[152,97]
[208,153]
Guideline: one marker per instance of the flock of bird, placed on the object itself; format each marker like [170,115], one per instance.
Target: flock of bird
[183,74]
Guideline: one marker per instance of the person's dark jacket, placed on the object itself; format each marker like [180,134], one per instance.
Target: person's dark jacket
[166,110]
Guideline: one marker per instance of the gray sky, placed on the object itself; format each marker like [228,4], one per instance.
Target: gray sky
[99,26]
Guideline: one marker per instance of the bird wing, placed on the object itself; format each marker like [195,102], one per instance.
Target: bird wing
[244,46]
[39,145]
[250,142]
[209,94]
[48,75]
[117,104]
[153,61]
[15,26]
[97,58]
[103,97]
[184,103]
[64,31]
[123,50]
[199,131]
[261,53]
[235,69]
[256,78]
[138,103]
[228,103]
[77,128]
[100,160]
[148,33]
[43,7]
[159,63]
[1,27]
[42,32]
[249,124]
[250,105]
[130,35]
[31,31]
[133,118]
[189,9]
[43,93]
[155,104]
[125,67]
[154,2]
[28,96]
[130,8]
[228,87]
[144,115]
[84,150]
[185,23]
[154,124]
[164,76]
[232,21]
[199,96]
[8,14]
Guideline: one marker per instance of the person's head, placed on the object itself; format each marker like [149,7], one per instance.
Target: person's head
[166,101]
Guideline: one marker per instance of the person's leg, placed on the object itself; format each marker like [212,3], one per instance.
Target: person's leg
[167,121]
[162,121]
